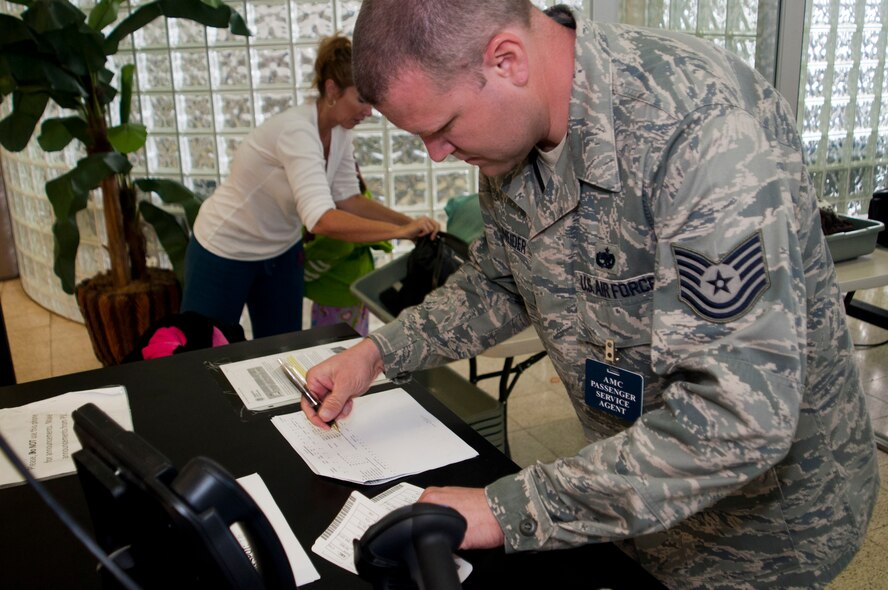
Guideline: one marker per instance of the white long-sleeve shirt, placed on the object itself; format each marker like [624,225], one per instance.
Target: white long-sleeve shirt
[279,182]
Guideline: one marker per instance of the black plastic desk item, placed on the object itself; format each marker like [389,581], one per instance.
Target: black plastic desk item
[414,543]
[165,527]
[179,406]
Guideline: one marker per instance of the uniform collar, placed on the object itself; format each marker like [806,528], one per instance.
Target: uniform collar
[591,125]
[590,154]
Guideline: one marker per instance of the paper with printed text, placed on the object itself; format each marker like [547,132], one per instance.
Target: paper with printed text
[42,433]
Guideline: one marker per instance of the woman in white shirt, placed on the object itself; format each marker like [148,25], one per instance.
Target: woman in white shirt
[295,170]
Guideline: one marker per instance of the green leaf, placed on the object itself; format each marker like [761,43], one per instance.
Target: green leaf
[197,10]
[16,129]
[127,138]
[57,35]
[170,233]
[172,193]
[65,230]
[56,134]
[14,38]
[238,26]
[105,92]
[235,22]
[126,92]
[35,73]
[218,15]
[103,14]
[7,82]
[135,21]
[68,194]
[14,30]
[105,76]
[78,49]
[26,65]
[51,15]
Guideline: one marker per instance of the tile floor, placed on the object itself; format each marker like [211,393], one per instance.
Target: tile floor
[542,424]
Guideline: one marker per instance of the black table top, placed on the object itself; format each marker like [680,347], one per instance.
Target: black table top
[180,406]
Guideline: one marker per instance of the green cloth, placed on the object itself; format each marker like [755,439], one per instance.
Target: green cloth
[464,217]
[331,266]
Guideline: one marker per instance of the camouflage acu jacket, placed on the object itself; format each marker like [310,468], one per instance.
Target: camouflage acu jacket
[681,227]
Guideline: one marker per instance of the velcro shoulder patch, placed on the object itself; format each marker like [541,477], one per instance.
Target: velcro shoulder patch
[723,290]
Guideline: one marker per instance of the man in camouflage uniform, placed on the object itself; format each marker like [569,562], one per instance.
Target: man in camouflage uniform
[663,231]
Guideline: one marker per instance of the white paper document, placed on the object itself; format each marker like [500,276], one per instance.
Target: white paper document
[260,382]
[386,436]
[42,433]
[336,544]
[304,571]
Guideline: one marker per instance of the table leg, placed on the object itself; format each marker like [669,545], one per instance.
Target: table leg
[7,371]
[505,386]
[866,312]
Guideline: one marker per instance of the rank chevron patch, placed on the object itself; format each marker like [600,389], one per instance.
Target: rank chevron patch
[724,290]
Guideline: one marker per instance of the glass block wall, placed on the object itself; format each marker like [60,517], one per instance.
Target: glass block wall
[842,117]
[199,91]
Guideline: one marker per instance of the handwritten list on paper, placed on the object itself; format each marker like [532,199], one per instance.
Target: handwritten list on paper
[386,436]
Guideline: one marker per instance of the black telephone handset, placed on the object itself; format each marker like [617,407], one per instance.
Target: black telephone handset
[172,528]
[218,501]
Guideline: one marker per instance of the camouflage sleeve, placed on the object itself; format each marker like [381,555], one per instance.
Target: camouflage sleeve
[730,384]
[477,307]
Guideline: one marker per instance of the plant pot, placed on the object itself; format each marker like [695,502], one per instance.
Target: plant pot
[116,318]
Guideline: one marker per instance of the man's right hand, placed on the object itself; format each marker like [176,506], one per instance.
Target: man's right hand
[339,379]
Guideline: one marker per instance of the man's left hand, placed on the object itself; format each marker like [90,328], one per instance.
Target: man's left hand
[484,531]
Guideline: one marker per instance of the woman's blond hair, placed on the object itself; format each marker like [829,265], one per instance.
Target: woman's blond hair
[334,62]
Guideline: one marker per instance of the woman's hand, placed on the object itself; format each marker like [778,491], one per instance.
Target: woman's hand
[419,227]
[346,225]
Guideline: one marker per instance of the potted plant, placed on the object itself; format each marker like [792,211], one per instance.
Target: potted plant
[55,52]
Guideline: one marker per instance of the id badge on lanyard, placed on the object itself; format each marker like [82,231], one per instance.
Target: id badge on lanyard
[610,389]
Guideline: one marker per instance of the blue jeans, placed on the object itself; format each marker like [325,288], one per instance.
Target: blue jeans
[271,289]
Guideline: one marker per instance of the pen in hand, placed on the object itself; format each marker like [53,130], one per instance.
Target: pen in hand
[300,384]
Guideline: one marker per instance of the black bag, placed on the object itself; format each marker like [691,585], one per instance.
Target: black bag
[878,210]
[428,266]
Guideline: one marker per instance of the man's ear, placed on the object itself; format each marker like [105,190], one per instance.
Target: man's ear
[506,55]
